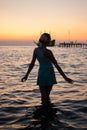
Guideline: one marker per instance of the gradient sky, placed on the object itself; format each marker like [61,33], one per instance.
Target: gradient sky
[27,19]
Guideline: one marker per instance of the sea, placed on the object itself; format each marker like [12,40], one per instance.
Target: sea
[20,102]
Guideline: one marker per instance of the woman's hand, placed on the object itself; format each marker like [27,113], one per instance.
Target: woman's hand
[24,79]
[69,80]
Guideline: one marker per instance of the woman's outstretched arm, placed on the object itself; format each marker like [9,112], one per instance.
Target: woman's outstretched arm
[30,66]
[51,56]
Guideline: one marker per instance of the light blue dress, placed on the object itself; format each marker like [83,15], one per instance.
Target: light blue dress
[46,74]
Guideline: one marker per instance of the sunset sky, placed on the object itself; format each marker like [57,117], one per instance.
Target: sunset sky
[27,19]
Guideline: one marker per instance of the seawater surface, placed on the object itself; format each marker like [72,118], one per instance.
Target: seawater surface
[20,105]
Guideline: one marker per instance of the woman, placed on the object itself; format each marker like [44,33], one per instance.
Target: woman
[46,75]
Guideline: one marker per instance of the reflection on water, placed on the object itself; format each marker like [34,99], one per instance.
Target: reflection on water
[42,116]
[20,102]
[46,117]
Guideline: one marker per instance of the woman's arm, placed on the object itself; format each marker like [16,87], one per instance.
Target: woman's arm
[30,66]
[51,56]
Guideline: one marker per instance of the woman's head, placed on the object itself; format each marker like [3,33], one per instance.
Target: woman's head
[45,39]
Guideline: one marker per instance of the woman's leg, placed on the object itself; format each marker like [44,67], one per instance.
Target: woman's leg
[45,93]
[48,90]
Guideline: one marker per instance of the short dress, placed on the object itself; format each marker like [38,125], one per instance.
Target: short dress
[46,74]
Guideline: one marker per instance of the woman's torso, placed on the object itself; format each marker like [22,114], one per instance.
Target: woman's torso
[46,74]
[43,60]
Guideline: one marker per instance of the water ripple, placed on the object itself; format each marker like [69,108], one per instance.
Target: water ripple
[20,107]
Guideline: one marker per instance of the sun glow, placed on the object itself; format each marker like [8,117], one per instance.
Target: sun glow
[26,20]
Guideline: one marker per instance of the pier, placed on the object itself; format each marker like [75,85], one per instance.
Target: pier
[72,44]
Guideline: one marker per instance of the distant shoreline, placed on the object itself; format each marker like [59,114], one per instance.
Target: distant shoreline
[17,45]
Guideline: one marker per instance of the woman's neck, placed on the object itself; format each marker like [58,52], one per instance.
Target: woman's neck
[42,45]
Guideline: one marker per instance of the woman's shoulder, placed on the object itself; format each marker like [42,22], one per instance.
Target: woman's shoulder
[36,49]
[48,50]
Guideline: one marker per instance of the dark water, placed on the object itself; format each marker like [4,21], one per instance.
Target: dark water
[20,107]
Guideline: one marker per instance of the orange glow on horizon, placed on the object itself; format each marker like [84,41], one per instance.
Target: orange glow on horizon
[58,37]
[16,37]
